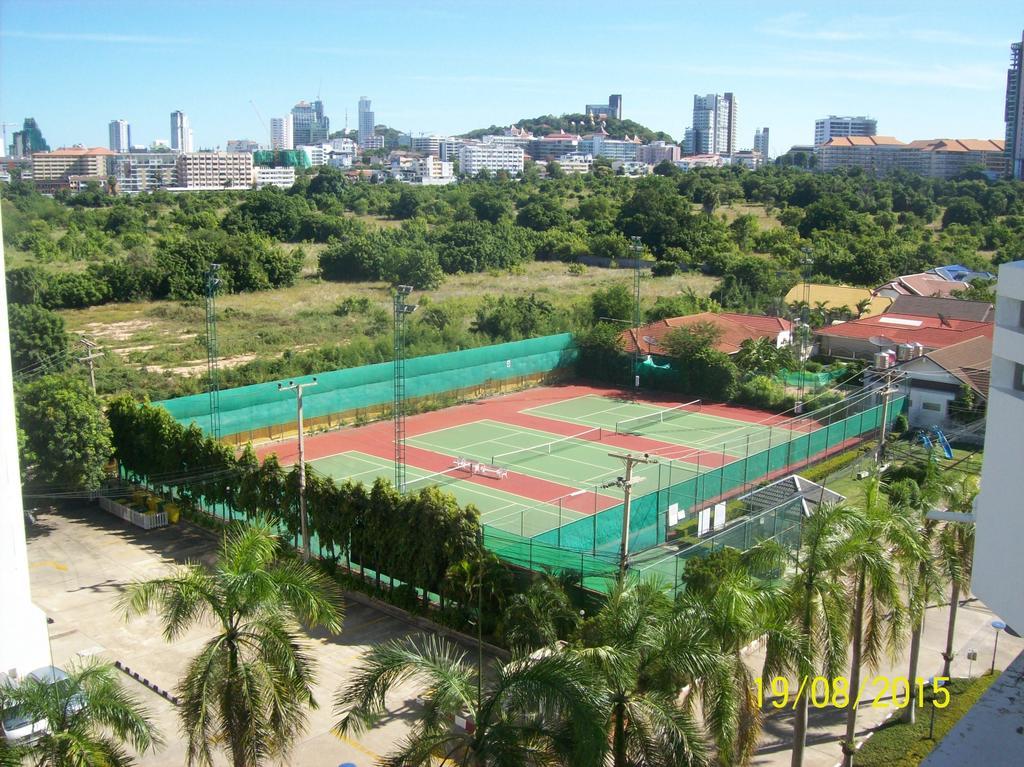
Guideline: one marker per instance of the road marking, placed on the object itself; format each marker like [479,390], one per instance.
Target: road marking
[356,745]
[49,563]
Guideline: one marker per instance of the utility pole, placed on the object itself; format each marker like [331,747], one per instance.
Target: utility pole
[92,352]
[626,483]
[402,310]
[887,389]
[298,387]
[637,252]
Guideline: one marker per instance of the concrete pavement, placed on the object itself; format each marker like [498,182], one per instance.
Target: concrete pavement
[80,559]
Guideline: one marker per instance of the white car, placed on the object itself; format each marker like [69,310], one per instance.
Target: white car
[19,727]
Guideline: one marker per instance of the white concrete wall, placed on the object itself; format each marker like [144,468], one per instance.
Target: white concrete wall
[24,642]
[999,547]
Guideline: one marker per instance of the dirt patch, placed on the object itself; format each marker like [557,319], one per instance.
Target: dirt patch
[117,331]
[193,368]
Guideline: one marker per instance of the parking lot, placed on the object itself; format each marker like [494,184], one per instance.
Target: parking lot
[80,558]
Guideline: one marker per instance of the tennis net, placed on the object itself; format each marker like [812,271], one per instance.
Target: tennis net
[459,470]
[548,448]
[633,425]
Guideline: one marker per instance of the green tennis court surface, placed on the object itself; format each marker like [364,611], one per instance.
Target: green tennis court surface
[498,508]
[580,462]
[688,426]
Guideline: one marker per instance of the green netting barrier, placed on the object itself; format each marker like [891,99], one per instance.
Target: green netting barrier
[601,533]
[806,378]
[261,406]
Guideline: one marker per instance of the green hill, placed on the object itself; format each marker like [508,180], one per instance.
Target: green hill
[544,124]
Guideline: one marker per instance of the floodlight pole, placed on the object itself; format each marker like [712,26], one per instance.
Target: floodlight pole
[887,389]
[637,250]
[212,355]
[402,311]
[303,521]
[626,483]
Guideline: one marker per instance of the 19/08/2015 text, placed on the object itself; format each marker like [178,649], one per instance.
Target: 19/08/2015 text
[823,692]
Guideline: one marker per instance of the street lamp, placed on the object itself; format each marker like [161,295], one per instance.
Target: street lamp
[998,625]
[298,387]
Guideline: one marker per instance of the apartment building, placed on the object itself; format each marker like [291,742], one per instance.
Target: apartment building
[281,135]
[935,158]
[366,123]
[283,177]
[834,126]
[181,132]
[713,130]
[70,168]
[1000,526]
[120,135]
[658,151]
[600,144]
[215,170]
[1015,110]
[490,156]
[137,172]
[553,145]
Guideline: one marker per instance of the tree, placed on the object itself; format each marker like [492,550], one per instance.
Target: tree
[38,339]
[247,689]
[612,303]
[540,616]
[884,543]
[815,604]
[645,652]
[760,355]
[89,719]
[68,439]
[956,547]
[542,709]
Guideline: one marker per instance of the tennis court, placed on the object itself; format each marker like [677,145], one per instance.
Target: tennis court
[686,425]
[497,507]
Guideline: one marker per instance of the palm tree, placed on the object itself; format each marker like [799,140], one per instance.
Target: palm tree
[541,709]
[814,602]
[724,595]
[862,306]
[248,688]
[884,539]
[956,546]
[540,616]
[646,652]
[925,582]
[89,719]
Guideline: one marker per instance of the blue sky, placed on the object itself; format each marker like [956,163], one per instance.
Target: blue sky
[924,70]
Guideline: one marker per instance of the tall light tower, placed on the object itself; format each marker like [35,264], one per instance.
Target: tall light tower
[402,310]
[303,519]
[637,252]
[212,283]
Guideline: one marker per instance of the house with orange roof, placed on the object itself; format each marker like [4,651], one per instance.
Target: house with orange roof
[936,158]
[734,328]
[861,339]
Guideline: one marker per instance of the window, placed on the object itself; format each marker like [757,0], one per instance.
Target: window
[933,406]
[1018,377]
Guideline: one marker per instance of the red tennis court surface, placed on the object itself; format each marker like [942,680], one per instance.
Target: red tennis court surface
[545,485]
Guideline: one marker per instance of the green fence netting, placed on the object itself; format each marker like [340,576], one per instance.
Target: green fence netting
[689,487]
[260,406]
[806,378]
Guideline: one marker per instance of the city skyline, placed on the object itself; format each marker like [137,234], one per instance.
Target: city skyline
[786,68]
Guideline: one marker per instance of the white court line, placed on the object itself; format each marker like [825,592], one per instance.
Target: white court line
[590,415]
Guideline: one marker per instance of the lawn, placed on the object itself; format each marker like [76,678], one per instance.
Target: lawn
[896,744]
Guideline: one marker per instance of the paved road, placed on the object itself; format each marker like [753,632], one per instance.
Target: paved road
[828,725]
[81,558]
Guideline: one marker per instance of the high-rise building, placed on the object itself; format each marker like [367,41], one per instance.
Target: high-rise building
[714,125]
[215,170]
[833,126]
[1000,526]
[761,142]
[366,121]
[181,132]
[28,140]
[281,135]
[1015,110]
[120,135]
[603,111]
[309,123]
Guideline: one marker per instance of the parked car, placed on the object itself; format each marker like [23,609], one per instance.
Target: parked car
[20,726]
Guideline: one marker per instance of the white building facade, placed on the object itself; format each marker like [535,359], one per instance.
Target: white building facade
[281,135]
[713,130]
[997,576]
[181,132]
[366,122]
[835,126]
[491,157]
[283,178]
[144,171]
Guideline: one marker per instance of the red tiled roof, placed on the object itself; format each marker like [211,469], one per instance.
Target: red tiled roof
[925,284]
[930,332]
[864,141]
[736,328]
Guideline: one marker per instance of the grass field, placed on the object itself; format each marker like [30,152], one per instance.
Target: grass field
[171,335]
